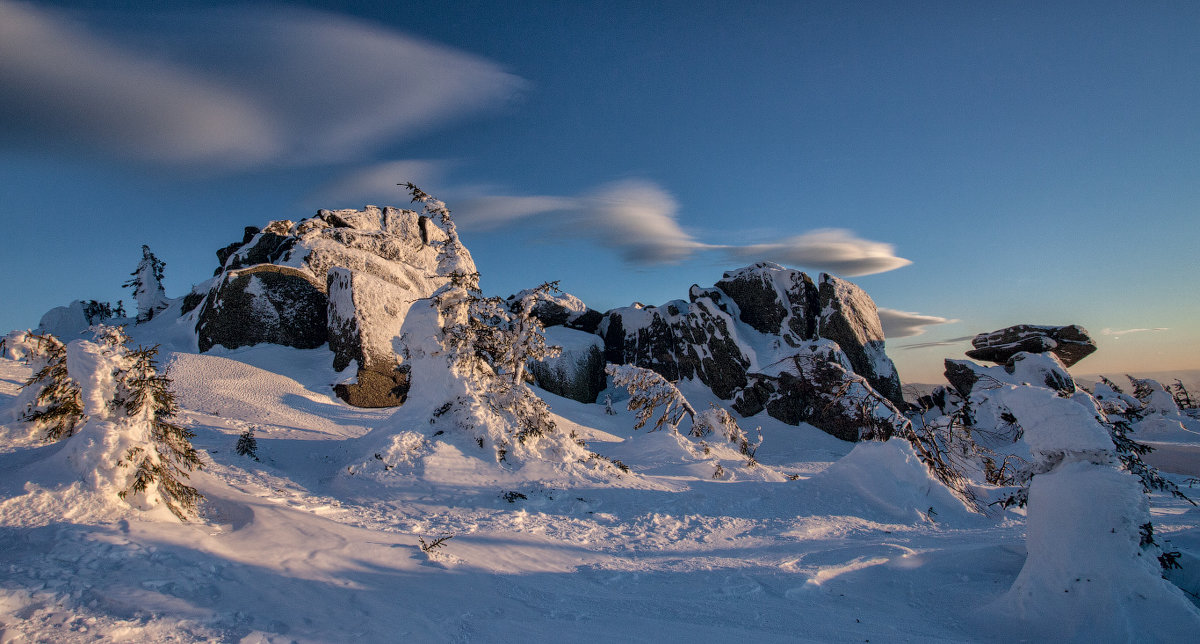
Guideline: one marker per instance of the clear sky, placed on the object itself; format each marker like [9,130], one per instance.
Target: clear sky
[972,165]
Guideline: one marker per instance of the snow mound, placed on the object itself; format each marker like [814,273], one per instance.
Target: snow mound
[893,482]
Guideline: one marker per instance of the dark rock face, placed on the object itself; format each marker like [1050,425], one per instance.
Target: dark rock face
[678,340]
[962,375]
[767,298]
[1048,371]
[376,388]
[825,395]
[263,306]
[944,399]
[849,318]
[1070,343]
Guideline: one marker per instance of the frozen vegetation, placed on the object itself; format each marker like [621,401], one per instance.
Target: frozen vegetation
[231,495]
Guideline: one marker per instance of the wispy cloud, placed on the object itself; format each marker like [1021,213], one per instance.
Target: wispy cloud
[939,343]
[1116,333]
[640,220]
[903,324]
[293,86]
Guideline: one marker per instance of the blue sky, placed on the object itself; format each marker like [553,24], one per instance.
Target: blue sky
[975,164]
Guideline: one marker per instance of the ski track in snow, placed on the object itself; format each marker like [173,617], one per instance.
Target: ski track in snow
[288,549]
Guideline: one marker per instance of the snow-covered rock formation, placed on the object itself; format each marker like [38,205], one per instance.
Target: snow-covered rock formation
[342,277]
[766,338]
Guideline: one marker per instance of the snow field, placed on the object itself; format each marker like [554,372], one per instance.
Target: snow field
[847,543]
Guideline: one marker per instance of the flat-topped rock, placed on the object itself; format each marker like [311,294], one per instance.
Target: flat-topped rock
[1070,343]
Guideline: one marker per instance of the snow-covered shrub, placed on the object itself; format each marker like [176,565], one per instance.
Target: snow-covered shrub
[146,282]
[648,391]
[718,421]
[247,445]
[1093,569]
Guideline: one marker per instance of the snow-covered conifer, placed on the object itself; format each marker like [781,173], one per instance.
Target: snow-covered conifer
[147,285]
[56,405]
[144,394]
[608,408]
[247,445]
[113,409]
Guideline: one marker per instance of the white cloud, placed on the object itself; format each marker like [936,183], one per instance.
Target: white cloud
[490,212]
[902,324]
[829,249]
[231,87]
[1119,332]
[640,219]
[61,83]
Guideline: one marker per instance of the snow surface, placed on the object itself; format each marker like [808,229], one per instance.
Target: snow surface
[846,543]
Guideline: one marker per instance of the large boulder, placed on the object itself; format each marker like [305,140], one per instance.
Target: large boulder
[578,371]
[265,303]
[1070,343]
[679,340]
[753,317]
[342,277]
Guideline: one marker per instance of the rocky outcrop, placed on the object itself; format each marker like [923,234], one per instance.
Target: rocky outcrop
[342,277]
[1041,366]
[849,318]
[822,391]
[734,336]
[1070,343]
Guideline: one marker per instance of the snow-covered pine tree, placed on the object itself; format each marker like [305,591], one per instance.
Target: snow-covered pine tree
[56,406]
[247,444]
[144,394]
[647,392]
[147,285]
[608,408]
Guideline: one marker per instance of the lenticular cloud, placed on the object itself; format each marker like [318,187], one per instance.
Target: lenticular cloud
[291,87]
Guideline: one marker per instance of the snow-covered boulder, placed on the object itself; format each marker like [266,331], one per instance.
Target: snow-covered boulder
[562,309]
[679,340]
[74,319]
[342,277]
[263,303]
[1070,343]
[578,371]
